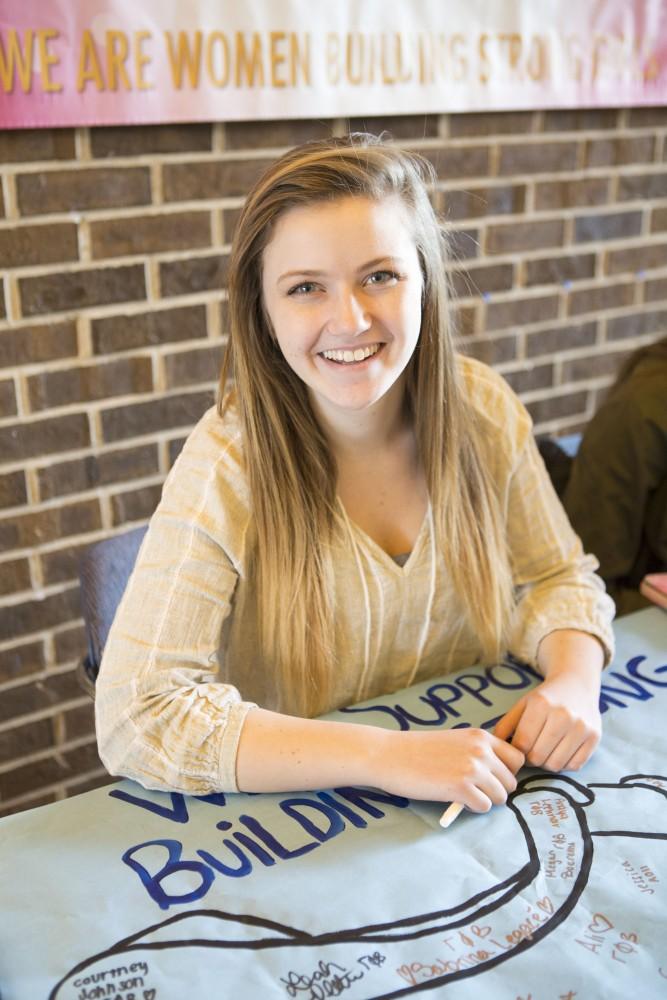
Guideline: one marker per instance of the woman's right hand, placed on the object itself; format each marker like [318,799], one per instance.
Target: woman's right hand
[467,765]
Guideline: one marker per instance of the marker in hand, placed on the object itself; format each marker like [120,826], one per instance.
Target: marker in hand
[450,813]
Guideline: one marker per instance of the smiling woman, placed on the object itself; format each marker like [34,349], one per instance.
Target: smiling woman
[363,509]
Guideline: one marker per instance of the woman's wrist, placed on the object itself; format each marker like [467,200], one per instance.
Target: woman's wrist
[570,651]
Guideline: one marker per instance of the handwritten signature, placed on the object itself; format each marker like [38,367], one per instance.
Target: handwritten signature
[328,980]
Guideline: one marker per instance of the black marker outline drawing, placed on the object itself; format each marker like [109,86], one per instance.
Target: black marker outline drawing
[479,907]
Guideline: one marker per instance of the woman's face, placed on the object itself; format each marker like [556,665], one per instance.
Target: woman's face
[342,287]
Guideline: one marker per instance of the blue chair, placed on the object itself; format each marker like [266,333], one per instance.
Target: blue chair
[104,570]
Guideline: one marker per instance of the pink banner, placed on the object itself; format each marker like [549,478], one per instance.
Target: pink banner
[87,62]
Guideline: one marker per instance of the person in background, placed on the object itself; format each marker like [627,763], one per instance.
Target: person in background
[616,497]
[363,510]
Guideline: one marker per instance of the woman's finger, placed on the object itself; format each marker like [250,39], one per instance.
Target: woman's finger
[530,727]
[582,754]
[509,721]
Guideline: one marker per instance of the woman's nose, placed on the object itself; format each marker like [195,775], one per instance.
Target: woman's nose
[348,316]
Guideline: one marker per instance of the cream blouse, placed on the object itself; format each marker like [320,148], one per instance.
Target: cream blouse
[182,666]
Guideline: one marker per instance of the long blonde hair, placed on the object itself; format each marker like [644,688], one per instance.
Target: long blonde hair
[291,472]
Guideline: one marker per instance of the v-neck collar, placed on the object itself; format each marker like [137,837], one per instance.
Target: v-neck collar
[378,552]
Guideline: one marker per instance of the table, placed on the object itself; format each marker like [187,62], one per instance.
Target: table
[562,893]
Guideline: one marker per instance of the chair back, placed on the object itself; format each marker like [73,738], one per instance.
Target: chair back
[104,570]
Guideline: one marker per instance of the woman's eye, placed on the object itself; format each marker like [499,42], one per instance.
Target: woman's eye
[381,277]
[305,288]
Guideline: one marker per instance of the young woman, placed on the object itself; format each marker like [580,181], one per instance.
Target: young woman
[365,509]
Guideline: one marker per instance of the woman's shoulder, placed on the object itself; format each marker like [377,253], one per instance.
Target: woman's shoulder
[208,479]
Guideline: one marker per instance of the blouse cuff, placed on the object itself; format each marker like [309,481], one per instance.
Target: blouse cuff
[229,745]
[526,646]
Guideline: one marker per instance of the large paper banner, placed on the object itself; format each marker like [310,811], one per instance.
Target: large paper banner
[85,62]
[562,893]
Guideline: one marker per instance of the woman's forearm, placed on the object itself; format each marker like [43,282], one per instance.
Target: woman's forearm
[279,753]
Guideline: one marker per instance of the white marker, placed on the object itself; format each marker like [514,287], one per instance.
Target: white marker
[450,814]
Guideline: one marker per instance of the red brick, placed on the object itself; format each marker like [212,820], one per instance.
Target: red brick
[135,505]
[451,162]
[21,145]
[470,204]
[551,195]
[654,291]
[537,157]
[463,320]
[492,350]
[530,378]
[125,333]
[230,217]
[145,234]
[482,280]
[579,119]
[129,376]
[658,220]
[196,274]
[21,661]
[193,367]
[142,140]
[50,524]
[647,117]
[562,338]
[556,270]
[13,492]
[7,398]
[14,576]
[21,246]
[82,289]
[81,474]
[70,644]
[521,312]
[211,178]
[62,565]
[603,297]
[44,437]
[40,694]
[79,722]
[463,126]
[518,236]
[77,190]
[36,615]
[24,740]
[637,324]
[135,419]
[642,187]
[607,226]
[33,344]
[591,366]
[618,152]
[462,244]
[268,134]
[556,407]
[651,255]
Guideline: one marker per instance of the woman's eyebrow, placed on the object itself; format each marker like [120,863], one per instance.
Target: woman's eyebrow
[310,273]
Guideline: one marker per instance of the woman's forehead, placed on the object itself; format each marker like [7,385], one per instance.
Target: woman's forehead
[349,225]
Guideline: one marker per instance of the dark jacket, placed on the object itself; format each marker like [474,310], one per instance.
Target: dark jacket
[616,497]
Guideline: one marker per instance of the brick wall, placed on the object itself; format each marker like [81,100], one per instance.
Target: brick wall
[114,246]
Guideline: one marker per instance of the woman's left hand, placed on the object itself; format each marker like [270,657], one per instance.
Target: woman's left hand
[557,725]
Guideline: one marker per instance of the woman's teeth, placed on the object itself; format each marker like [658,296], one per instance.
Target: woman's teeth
[347,357]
